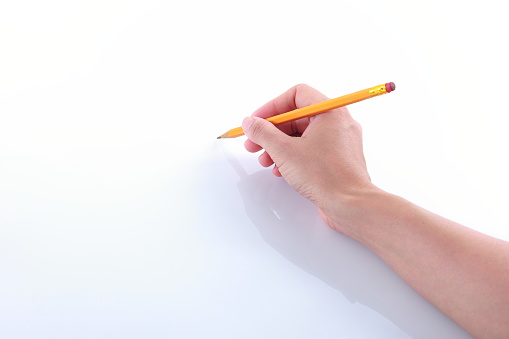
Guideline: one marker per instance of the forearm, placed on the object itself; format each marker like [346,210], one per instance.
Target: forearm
[462,272]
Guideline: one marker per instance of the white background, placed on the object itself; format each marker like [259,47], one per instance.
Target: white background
[122,216]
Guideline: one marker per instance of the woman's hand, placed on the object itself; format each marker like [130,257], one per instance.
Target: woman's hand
[321,157]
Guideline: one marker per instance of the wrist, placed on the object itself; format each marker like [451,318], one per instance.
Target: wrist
[353,214]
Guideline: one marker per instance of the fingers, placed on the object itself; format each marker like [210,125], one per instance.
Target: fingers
[264,135]
[265,160]
[276,172]
[262,132]
[251,146]
[296,97]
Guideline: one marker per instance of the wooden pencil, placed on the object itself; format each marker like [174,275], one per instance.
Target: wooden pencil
[320,107]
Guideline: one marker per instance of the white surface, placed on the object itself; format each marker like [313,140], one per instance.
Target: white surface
[121,215]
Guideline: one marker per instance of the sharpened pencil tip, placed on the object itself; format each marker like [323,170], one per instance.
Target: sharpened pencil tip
[225,135]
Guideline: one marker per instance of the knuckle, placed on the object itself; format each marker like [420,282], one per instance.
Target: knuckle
[302,87]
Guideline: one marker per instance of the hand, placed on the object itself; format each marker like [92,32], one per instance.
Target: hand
[321,157]
[462,272]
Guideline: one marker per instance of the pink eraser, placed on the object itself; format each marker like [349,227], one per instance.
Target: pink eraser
[390,86]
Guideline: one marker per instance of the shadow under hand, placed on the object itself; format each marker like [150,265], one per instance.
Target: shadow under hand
[291,225]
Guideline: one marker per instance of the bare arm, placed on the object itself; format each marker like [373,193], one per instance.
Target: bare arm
[462,272]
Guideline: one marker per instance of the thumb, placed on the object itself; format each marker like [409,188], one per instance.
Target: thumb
[263,133]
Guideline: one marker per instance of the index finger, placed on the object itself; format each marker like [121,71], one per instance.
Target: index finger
[296,97]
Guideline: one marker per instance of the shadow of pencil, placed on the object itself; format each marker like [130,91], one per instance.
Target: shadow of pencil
[291,225]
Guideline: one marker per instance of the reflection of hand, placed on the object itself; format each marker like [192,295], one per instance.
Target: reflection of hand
[325,164]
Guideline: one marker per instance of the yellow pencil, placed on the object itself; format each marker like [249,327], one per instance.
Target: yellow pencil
[320,107]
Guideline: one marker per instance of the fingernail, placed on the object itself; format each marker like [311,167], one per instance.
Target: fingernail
[246,124]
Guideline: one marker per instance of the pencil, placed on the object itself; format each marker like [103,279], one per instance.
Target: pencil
[320,107]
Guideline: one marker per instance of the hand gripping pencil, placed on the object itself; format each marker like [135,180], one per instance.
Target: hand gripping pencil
[320,107]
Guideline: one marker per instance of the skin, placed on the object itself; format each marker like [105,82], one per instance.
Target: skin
[462,272]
